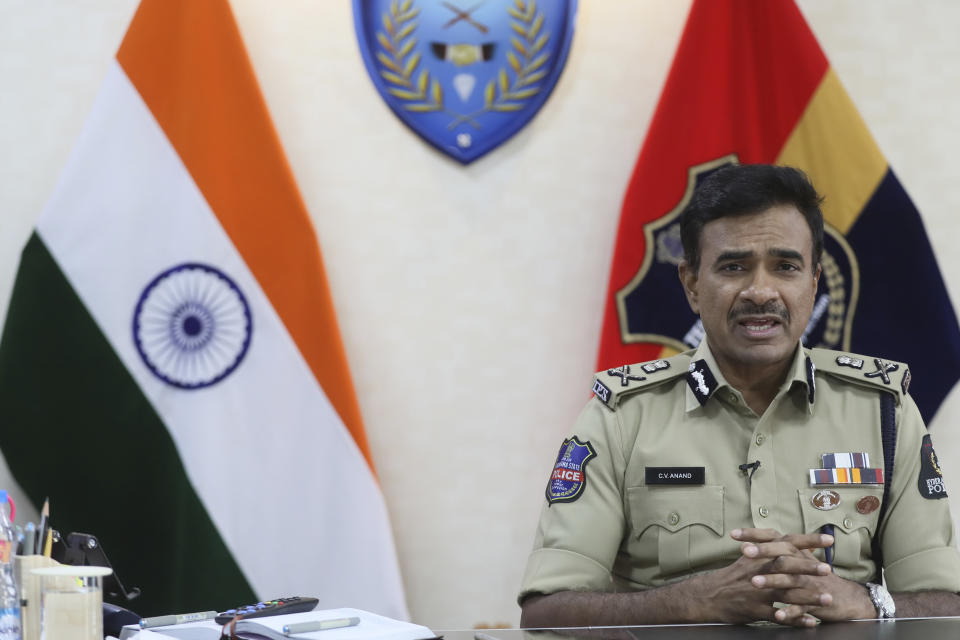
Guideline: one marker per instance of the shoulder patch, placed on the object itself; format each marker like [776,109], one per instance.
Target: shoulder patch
[930,481]
[878,373]
[569,476]
[611,385]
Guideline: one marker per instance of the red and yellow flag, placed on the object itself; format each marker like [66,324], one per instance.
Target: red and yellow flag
[750,84]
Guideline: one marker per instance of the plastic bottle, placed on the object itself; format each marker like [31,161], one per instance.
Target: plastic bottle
[9,594]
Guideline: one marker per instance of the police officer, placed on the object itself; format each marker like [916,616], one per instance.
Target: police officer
[746,479]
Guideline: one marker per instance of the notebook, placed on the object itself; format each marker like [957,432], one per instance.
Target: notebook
[370,627]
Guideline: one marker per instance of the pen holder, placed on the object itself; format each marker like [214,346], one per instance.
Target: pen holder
[71,602]
[30,592]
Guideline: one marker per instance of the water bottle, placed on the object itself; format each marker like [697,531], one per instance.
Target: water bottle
[9,594]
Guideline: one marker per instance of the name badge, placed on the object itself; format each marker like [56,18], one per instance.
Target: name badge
[674,475]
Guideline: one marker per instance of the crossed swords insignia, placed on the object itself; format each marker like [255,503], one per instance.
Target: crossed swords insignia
[624,374]
[882,370]
[465,15]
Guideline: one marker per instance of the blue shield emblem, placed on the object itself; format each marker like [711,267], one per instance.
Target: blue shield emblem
[464,74]
[569,475]
[653,308]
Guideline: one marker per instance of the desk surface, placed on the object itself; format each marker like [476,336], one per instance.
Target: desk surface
[905,629]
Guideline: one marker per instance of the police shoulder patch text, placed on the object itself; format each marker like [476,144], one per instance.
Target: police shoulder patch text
[930,481]
[569,476]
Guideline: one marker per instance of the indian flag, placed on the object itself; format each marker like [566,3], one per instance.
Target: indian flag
[171,370]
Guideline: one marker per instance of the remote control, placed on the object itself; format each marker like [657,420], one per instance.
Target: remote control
[269,608]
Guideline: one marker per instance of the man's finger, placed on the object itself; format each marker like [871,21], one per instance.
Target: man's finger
[796,565]
[795,616]
[755,535]
[793,590]
[785,546]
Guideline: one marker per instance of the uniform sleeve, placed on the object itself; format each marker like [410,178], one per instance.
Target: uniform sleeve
[919,549]
[577,541]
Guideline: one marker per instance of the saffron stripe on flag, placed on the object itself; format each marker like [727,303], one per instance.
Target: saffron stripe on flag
[211,108]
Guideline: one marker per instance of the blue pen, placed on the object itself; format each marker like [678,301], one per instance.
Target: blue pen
[828,551]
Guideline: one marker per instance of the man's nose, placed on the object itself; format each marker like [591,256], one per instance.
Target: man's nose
[760,289]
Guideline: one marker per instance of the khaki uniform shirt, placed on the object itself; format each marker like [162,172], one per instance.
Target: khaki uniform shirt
[620,525]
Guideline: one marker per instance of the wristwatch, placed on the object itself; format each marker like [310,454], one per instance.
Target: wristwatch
[882,600]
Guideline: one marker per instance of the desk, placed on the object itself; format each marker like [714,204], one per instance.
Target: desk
[904,629]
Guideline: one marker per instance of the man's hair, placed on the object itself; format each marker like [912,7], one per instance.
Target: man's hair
[743,189]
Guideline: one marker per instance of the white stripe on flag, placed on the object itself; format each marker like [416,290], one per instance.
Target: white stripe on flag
[281,477]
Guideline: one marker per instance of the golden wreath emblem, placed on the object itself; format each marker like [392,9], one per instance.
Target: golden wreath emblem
[399,63]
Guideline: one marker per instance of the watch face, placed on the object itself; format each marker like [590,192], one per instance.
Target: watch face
[882,601]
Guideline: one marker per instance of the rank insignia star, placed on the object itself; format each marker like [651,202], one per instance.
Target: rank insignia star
[624,374]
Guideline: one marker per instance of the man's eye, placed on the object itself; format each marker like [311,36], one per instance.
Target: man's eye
[732,266]
[789,266]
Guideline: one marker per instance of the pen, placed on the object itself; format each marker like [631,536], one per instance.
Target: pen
[30,539]
[828,551]
[42,529]
[319,625]
[180,618]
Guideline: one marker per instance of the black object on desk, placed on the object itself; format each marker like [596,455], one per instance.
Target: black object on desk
[84,550]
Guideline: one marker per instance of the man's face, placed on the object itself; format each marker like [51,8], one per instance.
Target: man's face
[755,287]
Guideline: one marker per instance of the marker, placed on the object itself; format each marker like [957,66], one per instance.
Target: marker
[180,618]
[30,539]
[319,625]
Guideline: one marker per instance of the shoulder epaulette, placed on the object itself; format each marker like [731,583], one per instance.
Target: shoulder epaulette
[877,373]
[612,385]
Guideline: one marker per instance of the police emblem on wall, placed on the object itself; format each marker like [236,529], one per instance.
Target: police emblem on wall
[465,75]
[192,326]
[671,323]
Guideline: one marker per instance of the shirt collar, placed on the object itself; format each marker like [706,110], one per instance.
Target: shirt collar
[704,377]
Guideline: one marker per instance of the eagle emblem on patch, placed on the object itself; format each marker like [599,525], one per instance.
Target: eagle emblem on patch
[569,476]
[464,75]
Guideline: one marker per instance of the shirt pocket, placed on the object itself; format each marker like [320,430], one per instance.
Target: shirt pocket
[681,523]
[853,531]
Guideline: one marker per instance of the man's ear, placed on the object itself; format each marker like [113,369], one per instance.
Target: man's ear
[816,279]
[688,279]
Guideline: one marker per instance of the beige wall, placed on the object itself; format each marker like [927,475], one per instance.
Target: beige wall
[470,297]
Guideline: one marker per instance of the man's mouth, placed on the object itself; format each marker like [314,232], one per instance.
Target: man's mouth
[760,327]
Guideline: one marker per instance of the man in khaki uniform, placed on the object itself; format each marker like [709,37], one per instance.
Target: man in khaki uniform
[667,503]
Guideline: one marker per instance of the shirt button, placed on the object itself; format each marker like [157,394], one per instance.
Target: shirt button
[764,512]
[847,523]
[673,518]
[760,439]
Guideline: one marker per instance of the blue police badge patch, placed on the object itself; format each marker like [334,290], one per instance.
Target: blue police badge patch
[464,75]
[569,475]
[670,322]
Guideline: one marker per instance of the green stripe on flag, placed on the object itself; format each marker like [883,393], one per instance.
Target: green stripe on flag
[75,426]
